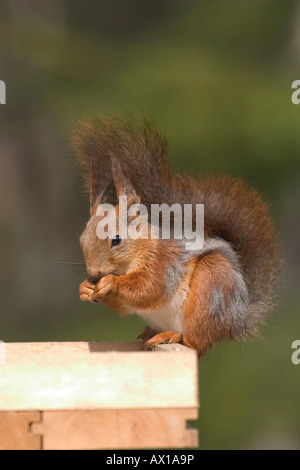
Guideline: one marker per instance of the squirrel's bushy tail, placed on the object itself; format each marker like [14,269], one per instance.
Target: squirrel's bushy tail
[239,215]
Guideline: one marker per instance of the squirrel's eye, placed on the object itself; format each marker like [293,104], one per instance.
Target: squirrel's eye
[116,241]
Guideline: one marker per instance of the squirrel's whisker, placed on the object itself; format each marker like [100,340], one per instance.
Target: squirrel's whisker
[62,262]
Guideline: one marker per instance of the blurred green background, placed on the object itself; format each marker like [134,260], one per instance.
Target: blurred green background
[217,75]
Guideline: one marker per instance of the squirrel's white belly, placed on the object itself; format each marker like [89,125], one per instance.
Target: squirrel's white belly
[167,317]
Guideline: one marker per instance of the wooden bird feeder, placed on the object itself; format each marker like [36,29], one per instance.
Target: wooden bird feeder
[97,395]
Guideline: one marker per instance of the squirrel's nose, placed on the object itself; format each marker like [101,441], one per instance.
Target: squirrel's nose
[93,274]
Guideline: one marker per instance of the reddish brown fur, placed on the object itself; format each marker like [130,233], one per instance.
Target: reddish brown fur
[144,286]
[201,331]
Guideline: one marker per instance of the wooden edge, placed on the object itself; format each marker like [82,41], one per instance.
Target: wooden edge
[81,347]
[55,379]
[117,429]
[16,433]
[86,347]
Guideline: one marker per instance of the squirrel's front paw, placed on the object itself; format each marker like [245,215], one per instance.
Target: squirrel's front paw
[86,290]
[107,285]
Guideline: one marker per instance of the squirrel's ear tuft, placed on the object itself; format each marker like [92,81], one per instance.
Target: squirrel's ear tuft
[127,156]
[96,165]
[123,184]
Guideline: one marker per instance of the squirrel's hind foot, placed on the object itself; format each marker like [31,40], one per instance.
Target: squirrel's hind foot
[167,337]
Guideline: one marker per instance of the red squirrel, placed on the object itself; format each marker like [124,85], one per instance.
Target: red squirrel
[221,291]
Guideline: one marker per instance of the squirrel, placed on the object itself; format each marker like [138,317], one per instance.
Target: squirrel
[221,291]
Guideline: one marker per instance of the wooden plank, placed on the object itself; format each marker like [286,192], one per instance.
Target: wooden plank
[117,429]
[15,431]
[90,375]
[82,348]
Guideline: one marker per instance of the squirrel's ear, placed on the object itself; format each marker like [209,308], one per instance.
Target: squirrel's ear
[94,205]
[123,185]
[106,195]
